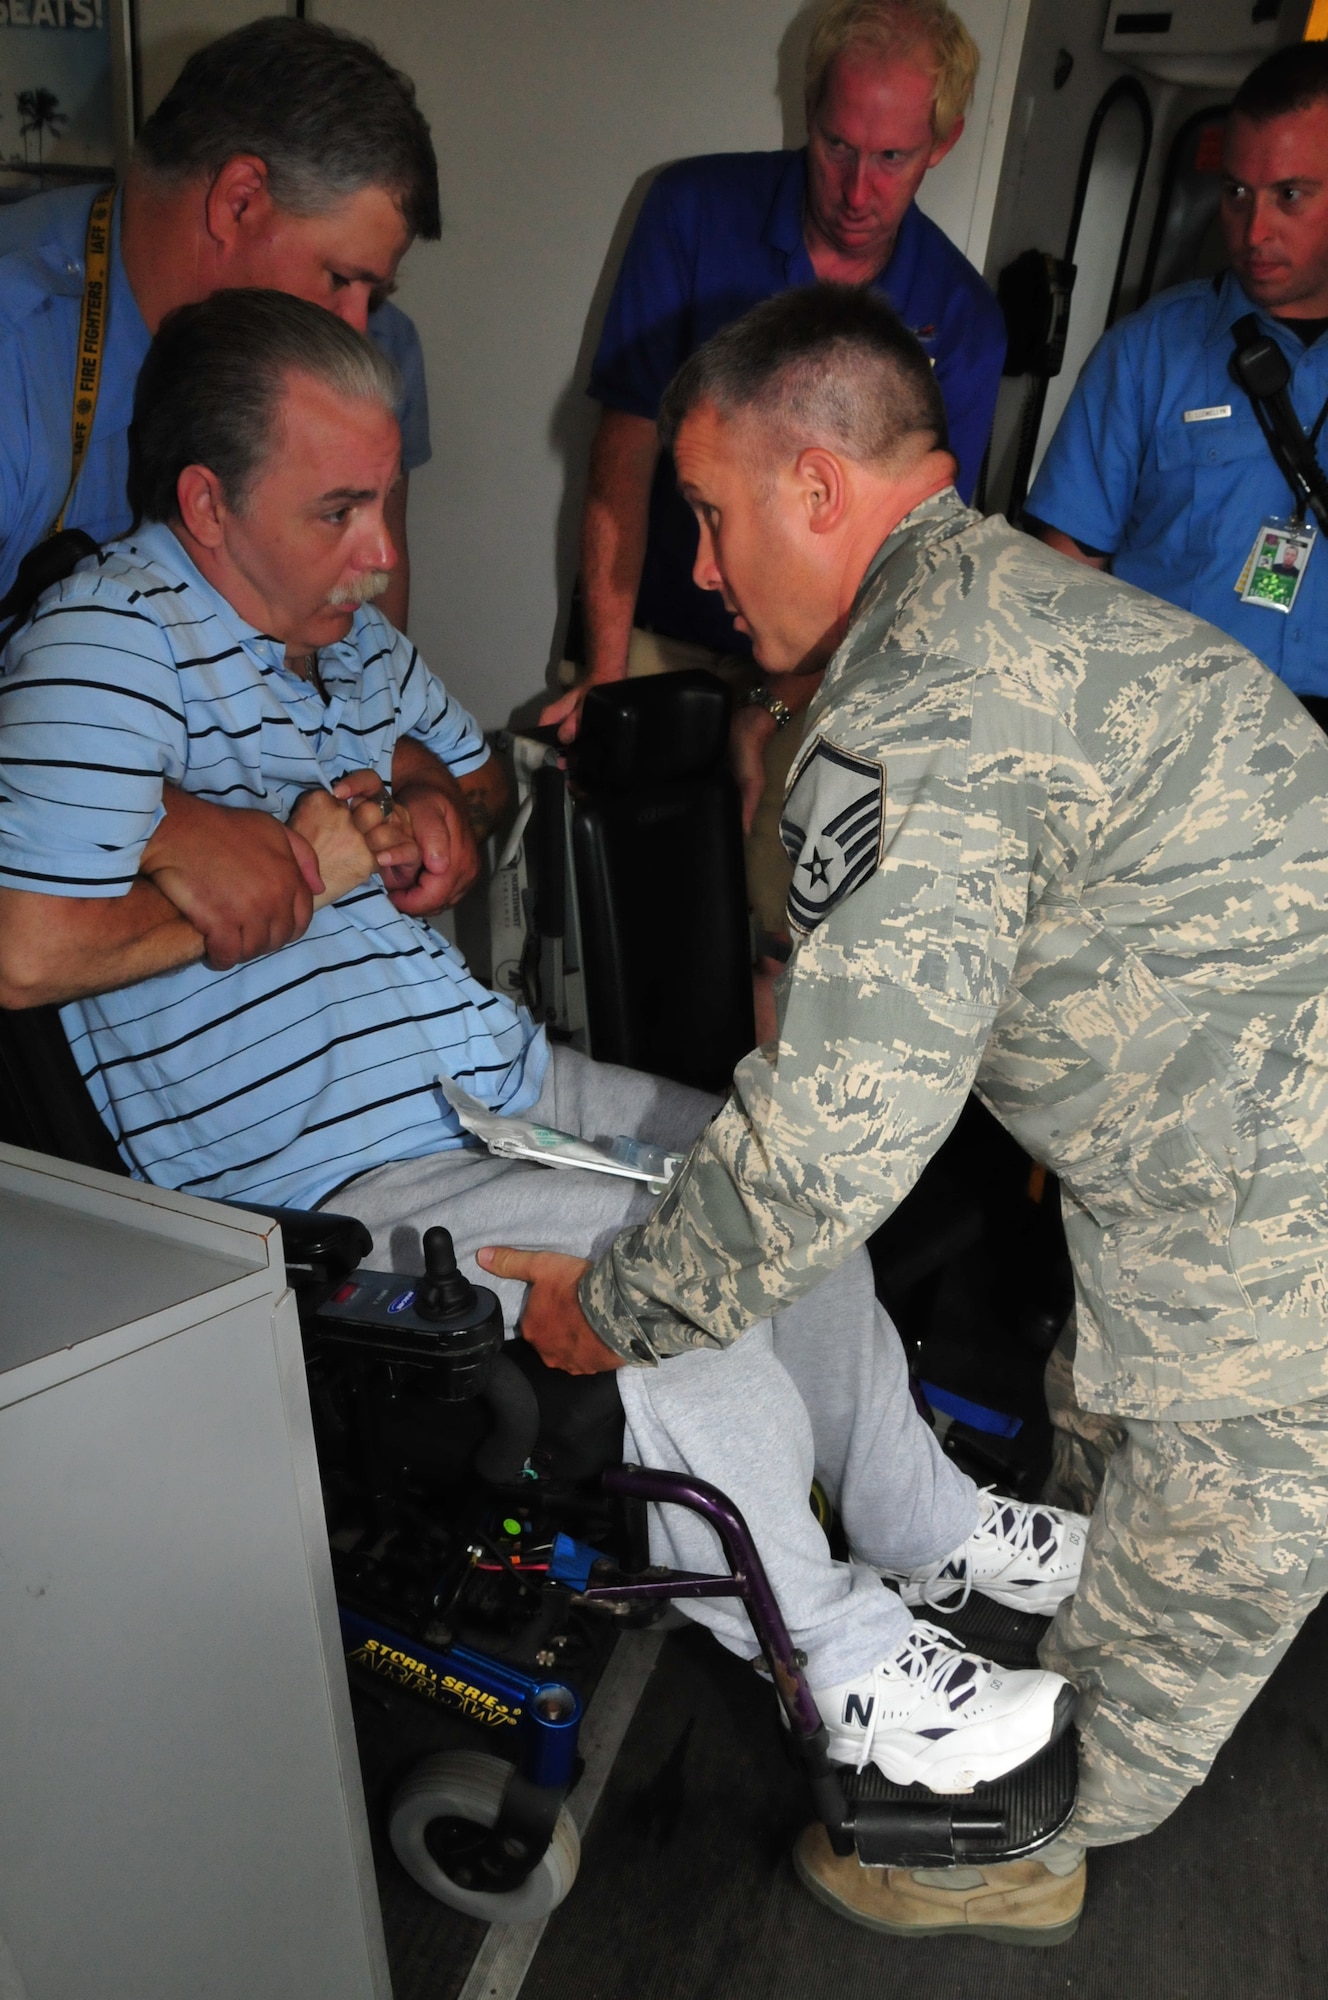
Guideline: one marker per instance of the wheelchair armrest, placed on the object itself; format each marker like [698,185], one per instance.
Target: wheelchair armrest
[321,1248]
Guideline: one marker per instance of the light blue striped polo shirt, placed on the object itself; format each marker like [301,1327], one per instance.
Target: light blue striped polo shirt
[286,1076]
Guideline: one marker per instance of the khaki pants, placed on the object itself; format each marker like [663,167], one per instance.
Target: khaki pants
[768,872]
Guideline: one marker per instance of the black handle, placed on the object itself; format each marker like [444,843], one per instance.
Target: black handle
[444,1292]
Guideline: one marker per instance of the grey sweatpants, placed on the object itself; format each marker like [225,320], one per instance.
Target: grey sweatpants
[820,1389]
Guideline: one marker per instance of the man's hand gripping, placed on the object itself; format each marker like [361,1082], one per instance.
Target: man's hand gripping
[553,1321]
[243,880]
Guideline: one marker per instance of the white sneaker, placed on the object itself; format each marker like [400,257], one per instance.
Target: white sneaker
[932,1715]
[1025,1556]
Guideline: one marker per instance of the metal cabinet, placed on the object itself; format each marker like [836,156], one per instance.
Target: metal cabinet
[180,1804]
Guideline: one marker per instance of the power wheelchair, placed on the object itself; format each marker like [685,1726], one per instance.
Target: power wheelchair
[487,1542]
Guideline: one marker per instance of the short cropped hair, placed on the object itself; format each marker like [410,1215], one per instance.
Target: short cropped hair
[1290,79]
[926,32]
[210,388]
[322,110]
[822,364]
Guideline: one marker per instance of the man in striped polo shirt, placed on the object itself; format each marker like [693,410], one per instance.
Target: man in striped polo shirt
[228,646]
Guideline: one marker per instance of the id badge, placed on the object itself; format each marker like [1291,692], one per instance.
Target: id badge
[1275,566]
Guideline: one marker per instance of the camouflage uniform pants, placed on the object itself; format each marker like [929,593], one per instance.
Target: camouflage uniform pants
[1081,1440]
[1208,1549]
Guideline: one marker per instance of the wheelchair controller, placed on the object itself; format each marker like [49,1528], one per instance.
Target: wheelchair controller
[454,1328]
[440,1318]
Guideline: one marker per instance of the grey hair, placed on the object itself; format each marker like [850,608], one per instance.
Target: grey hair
[822,364]
[322,110]
[210,388]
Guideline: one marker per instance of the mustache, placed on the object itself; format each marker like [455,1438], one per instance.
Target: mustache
[361,589]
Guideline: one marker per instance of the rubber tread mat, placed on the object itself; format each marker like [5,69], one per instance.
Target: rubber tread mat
[1009,1637]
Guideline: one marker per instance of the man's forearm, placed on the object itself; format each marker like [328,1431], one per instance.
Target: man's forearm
[1066,545]
[811,1152]
[482,793]
[613,537]
[797,691]
[238,876]
[485,794]
[59,948]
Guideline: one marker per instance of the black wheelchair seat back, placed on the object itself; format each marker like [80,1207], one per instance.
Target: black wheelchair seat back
[660,879]
[44,1102]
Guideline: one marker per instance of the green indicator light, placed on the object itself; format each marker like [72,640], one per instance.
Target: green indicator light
[511,1527]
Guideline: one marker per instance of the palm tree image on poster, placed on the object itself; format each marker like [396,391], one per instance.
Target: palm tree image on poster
[57,112]
[39,111]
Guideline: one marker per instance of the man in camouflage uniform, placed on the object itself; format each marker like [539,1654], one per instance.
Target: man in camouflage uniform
[1061,843]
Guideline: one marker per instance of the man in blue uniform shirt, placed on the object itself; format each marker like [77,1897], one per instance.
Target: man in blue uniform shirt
[888,82]
[1158,465]
[286,154]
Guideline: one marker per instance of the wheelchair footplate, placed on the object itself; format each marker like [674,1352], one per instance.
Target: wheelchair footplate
[907,1826]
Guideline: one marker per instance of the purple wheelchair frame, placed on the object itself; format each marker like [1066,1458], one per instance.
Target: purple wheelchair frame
[882,1831]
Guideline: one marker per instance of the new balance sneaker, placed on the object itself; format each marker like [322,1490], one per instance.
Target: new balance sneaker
[932,1715]
[1028,1557]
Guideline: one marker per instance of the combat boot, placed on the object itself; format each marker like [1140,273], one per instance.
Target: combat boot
[1007,1902]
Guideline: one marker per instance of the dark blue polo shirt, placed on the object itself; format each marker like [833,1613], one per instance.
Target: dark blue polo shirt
[717,235]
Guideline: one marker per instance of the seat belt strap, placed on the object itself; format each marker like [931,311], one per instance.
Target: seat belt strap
[91,339]
[1261,369]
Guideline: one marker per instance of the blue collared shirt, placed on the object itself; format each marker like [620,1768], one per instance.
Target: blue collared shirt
[41,293]
[286,1076]
[1159,462]
[715,236]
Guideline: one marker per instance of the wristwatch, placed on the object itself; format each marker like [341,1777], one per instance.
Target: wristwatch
[763,696]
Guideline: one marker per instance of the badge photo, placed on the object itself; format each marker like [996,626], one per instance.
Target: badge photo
[1275,567]
[831,829]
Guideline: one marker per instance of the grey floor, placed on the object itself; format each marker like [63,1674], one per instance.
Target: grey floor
[686,1892]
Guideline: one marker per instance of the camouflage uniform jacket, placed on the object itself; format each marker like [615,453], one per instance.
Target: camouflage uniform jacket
[1059,841]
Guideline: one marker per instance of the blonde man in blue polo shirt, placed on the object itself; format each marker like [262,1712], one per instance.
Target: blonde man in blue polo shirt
[887,85]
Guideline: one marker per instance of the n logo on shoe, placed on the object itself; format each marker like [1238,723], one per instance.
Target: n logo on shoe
[855,1710]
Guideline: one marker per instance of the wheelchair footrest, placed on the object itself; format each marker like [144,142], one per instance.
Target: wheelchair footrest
[906,1826]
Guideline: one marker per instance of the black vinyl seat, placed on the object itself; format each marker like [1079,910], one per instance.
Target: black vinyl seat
[44,1102]
[660,879]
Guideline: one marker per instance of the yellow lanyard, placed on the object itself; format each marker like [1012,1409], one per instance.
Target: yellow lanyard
[91,338]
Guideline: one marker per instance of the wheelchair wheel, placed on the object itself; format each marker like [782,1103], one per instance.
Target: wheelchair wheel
[437,1821]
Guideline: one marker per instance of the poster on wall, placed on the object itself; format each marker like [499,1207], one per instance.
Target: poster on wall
[62,114]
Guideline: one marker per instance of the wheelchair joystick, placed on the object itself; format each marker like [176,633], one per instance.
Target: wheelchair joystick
[445,1293]
[453,1331]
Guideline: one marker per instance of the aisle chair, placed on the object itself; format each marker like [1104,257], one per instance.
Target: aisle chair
[624,906]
